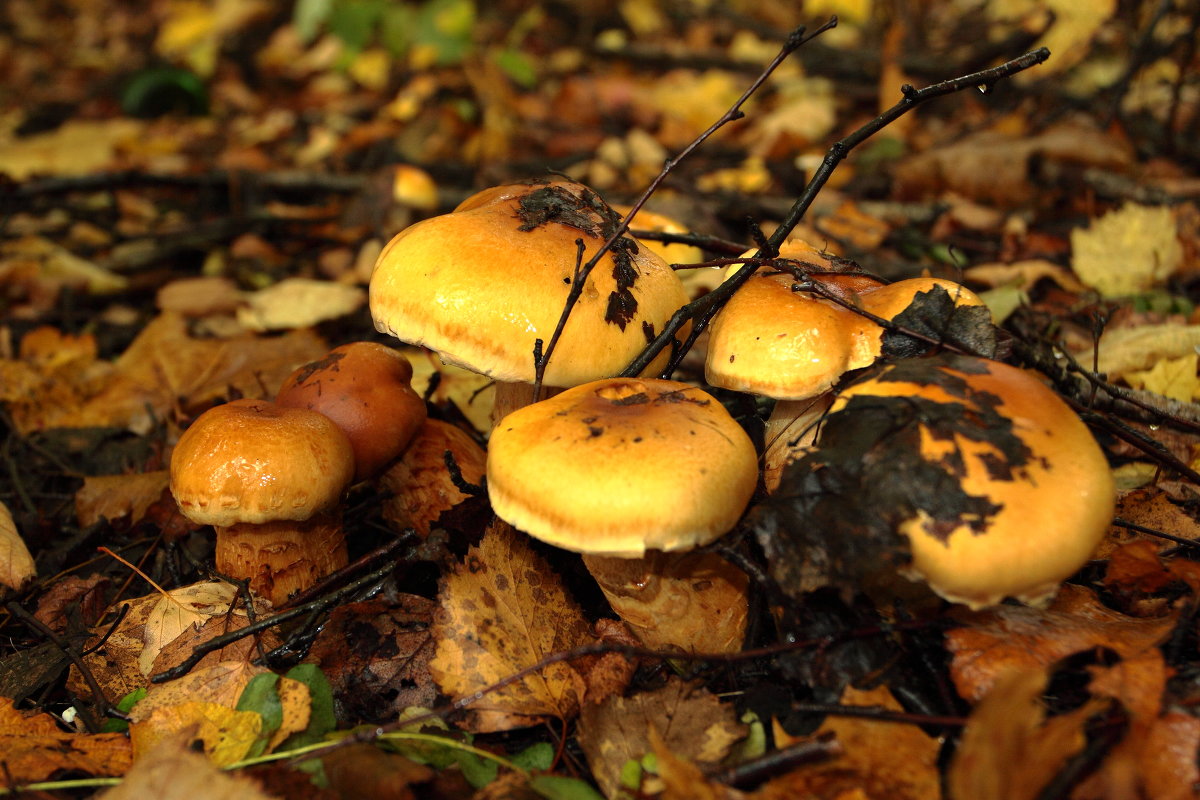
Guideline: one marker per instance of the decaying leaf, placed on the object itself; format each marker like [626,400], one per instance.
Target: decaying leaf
[879,759]
[226,735]
[118,496]
[16,564]
[33,748]
[171,771]
[376,656]
[692,723]
[1010,639]
[503,610]
[419,484]
[1009,751]
[1127,251]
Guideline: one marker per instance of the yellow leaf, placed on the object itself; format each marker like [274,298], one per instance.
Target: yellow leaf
[75,148]
[1127,251]
[502,610]
[180,610]
[16,565]
[1072,26]
[299,303]
[296,700]
[1170,377]
[225,734]
[1126,350]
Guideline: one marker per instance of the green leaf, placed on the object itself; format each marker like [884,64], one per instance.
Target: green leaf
[261,696]
[539,756]
[396,27]
[309,15]
[321,717]
[157,91]
[556,787]
[446,25]
[479,772]
[518,67]
[354,21]
[125,705]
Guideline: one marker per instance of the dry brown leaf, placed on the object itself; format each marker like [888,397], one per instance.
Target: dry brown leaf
[1127,251]
[376,656]
[1023,274]
[881,759]
[16,564]
[54,374]
[503,610]
[1136,570]
[171,771]
[683,780]
[1008,750]
[200,297]
[363,770]
[692,723]
[55,267]
[1011,639]
[418,486]
[33,748]
[115,497]
[1151,508]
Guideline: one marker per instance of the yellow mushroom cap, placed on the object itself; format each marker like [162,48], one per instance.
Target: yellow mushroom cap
[1051,506]
[251,461]
[480,285]
[619,466]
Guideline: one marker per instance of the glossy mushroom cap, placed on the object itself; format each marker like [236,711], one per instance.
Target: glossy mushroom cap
[364,388]
[480,285]
[1035,491]
[251,461]
[620,466]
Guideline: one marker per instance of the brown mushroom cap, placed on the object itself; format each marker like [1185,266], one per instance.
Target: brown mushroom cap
[619,466]
[1053,504]
[364,388]
[480,285]
[253,461]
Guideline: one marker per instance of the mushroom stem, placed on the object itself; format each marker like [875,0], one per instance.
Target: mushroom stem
[512,396]
[694,602]
[282,558]
[790,431]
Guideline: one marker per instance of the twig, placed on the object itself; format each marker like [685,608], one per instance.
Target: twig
[794,41]
[713,244]
[705,307]
[218,642]
[1133,526]
[461,483]
[779,762]
[98,697]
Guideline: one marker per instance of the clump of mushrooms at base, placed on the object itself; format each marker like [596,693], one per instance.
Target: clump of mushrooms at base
[1000,490]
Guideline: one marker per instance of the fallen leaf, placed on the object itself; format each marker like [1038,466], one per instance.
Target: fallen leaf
[445,384]
[34,748]
[16,564]
[1068,26]
[881,759]
[418,486]
[1149,507]
[1136,570]
[1170,377]
[1011,639]
[1127,251]
[180,610]
[1023,274]
[1008,750]
[226,735]
[376,656]
[78,147]
[296,701]
[171,771]
[114,497]
[691,722]
[503,610]
[299,303]
[50,263]
[363,770]
[1126,350]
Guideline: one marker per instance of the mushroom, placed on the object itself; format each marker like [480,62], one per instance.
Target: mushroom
[775,341]
[618,467]
[364,388]
[269,480]
[976,468]
[483,284]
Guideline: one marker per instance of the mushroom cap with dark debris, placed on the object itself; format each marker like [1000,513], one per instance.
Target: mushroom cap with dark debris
[481,284]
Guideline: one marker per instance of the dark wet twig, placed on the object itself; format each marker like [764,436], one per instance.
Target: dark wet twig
[406,539]
[461,483]
[703,309]
[1133,526]
[99,699]
[713,244]
[218,642]
[793,42]
[779,762]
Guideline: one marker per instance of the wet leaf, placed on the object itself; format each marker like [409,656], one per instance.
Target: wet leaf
[34,748]
[16,564]
[502,610]
[171,771]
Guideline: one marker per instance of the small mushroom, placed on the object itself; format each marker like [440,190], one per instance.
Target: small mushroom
[364,388]
[269,480]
